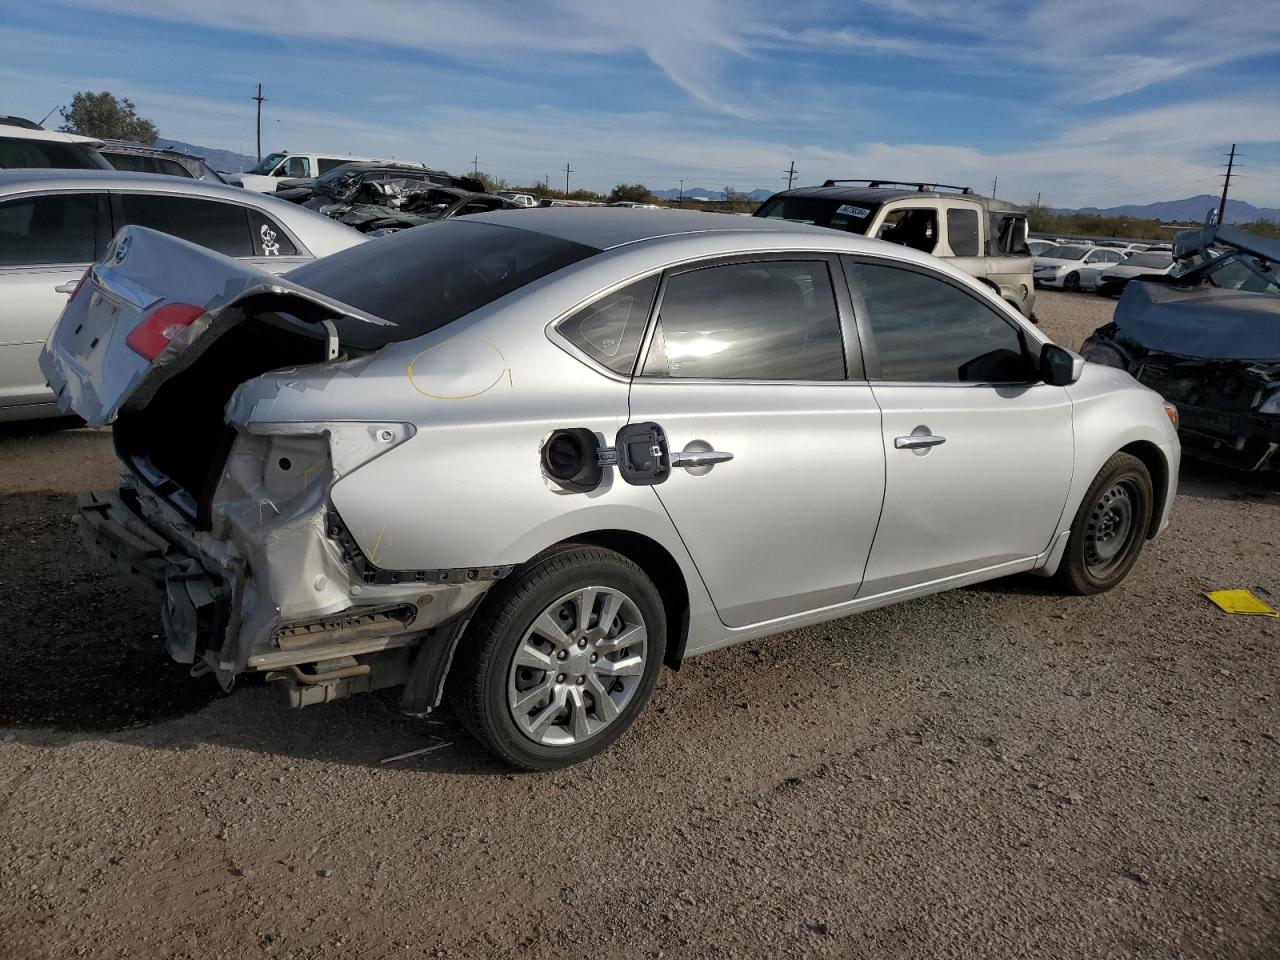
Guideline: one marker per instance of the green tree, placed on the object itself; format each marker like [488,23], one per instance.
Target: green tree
[102,115]
[630,193]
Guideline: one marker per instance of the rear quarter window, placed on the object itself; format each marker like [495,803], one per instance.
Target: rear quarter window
[610,329]
[19,153]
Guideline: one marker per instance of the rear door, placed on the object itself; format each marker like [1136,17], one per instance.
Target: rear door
[47,241]
[746,358]
[978,452]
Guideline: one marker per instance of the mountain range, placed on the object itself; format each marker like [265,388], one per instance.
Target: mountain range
[224,161]
[702,193]
[1192,209]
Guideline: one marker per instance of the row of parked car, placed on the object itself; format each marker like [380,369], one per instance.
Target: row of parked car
[1104,268]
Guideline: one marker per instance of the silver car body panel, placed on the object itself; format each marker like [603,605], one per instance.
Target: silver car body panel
[428,450]
[32,296]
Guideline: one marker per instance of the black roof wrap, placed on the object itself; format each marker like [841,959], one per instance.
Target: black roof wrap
[1209,323]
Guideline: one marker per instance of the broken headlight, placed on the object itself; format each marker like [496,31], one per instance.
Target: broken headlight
[1106,354]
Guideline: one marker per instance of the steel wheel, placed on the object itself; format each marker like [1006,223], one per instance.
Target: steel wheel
[577,666]
[1072,282]
[1110,530]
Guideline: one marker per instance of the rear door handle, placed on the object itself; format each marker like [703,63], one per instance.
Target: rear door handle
[917,440]
[68,287]
[699,458]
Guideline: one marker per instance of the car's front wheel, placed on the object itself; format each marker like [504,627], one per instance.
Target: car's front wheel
[1072,282]
[1109,528]
[560,658]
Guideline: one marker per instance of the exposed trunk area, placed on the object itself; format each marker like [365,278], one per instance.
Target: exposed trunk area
[179,441]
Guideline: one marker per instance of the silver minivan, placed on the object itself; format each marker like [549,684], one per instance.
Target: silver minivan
[984,237]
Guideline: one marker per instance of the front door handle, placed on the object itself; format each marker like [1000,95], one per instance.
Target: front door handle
[699,458]
[917,441]
[68,287]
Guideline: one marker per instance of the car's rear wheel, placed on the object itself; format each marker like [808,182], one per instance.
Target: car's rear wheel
[1072,282]
[1109,528]
[560,658]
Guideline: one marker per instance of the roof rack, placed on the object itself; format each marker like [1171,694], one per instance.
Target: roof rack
[922,187]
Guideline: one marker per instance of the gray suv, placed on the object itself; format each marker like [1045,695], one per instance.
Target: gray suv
[984,237]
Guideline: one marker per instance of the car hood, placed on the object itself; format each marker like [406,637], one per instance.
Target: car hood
[1120,270]
[1210,323]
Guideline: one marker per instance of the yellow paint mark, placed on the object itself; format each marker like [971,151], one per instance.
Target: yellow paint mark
[461,396]
[373,554]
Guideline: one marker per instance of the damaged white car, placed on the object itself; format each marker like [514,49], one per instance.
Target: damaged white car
[526,458]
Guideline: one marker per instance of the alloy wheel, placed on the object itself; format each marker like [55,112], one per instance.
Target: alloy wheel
[577,666]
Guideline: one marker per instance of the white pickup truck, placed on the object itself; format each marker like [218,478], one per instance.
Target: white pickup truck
[276,166]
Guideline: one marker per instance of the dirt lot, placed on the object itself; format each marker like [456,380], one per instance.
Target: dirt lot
[995,772]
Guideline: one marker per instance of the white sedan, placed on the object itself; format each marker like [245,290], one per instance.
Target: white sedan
[1073,266]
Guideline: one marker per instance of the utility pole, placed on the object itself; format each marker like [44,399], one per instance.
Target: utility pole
[1222,204]
[259,98]
[680,201]
[1037,198]
[791,174]
[546,181]
[993,187]
[567,171]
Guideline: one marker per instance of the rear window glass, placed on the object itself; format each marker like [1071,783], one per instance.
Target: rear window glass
[223,227]
[850,216]
[427,277]
[15,153]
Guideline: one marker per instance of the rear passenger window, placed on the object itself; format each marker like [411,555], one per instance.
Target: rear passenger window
[328,163]
[962,232]
[770,320]
[924,330]
[60,228]
[223,227]
[269,239]
[610,330]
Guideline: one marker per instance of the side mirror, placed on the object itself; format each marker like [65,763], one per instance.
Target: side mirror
[1059,367]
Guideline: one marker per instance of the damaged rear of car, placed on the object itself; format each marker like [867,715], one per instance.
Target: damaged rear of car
[232,393]
[1209,341]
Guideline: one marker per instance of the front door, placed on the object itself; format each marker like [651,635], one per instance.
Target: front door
[978,452]
[46,244]
[748,359]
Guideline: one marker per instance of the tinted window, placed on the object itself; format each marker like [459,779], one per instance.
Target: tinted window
[223,227]
[326,164]
[838,215]
[926,330]
[915,227]
[610,330]
[61,228]
[268,239]
[171,168]
[15,152]
[962,232]
[427,277]
[771,320]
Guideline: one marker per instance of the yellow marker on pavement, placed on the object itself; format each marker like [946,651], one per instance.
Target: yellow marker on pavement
[1241,601]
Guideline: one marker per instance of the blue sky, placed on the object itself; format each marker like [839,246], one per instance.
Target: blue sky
[1082,102]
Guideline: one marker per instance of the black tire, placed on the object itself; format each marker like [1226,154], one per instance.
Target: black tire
[1095,562]
[1072,282]
[478,683]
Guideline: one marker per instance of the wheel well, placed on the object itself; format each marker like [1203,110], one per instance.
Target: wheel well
[653,558]
[1154,461]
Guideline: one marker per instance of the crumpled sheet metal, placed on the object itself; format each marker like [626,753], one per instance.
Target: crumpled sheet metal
[1212,325]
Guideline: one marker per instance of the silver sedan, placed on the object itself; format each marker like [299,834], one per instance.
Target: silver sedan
[54,223]
[524,459]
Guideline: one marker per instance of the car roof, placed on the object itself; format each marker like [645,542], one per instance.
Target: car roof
[23,180]
[608,227]
[56,136]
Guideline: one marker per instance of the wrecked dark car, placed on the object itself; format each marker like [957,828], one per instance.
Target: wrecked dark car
[342,184]
[1208,340]
[386,206]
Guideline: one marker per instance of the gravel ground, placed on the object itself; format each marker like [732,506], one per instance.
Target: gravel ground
[994,772]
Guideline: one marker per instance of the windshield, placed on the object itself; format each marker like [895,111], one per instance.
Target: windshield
[267,163]
[1157,260]
[1245,273]
[851,217]
[427,277]
[1066,252]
